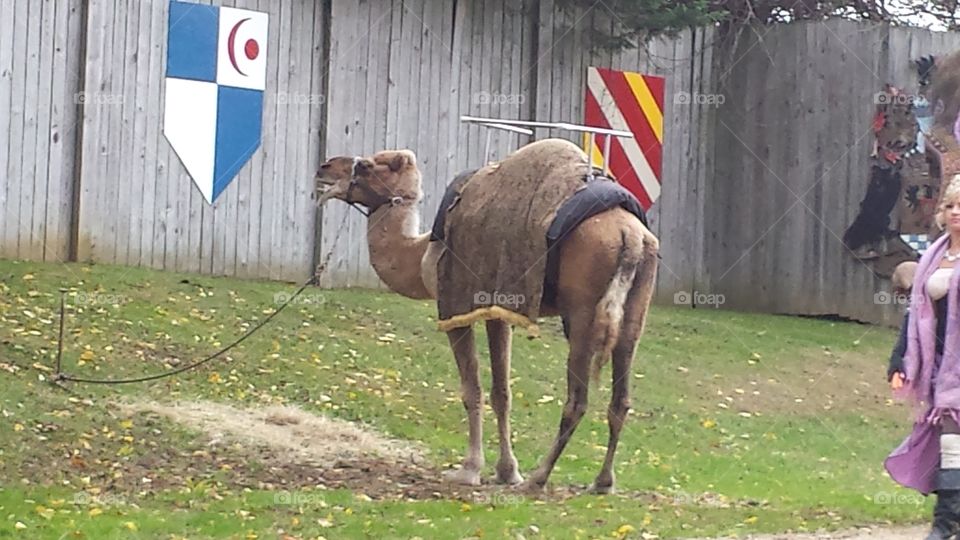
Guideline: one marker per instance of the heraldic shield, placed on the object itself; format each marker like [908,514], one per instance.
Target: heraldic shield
[215,80]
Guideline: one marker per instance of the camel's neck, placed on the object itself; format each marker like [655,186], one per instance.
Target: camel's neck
[397,248]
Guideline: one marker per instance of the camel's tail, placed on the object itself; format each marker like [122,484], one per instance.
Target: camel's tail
[636,269]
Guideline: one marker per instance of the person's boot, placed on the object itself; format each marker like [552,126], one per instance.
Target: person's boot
[945,515]
[946,512]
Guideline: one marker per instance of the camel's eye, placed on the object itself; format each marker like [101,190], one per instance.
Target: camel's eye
[364,166]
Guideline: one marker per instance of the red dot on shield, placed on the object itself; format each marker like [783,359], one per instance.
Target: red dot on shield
[251,49]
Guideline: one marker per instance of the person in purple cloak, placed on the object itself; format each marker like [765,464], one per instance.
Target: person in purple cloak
[925,370]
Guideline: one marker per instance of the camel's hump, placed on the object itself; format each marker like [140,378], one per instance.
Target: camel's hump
[555,148]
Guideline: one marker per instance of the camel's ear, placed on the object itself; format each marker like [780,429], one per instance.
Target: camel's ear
[402,159]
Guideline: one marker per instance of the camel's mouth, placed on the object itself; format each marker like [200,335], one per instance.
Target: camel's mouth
[325,188]
[323,180]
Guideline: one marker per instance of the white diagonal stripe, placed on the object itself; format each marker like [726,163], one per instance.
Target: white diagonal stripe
[615,119]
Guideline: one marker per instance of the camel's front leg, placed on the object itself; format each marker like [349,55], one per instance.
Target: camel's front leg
[461,340]
[498,337]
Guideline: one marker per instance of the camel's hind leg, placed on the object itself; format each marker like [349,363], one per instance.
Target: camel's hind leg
[634,317]
[499,337]
[461,341]
[578,375]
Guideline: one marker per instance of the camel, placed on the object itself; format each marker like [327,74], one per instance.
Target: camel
[607,268]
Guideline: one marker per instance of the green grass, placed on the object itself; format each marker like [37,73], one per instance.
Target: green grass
[741,422]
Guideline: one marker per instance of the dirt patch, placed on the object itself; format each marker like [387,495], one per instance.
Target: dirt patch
[288,448]
[294,435]
[276,448]
[863,533]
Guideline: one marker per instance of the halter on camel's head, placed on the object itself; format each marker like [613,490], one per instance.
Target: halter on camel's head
[388,177]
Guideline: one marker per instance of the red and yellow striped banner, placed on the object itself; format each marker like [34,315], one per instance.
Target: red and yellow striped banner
[630,102]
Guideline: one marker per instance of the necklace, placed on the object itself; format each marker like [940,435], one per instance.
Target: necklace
[949,257]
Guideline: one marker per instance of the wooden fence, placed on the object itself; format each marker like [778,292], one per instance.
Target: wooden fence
[39,125]
[792,144]
[765,142]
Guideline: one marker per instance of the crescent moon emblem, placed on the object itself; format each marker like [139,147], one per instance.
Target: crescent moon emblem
[230,45]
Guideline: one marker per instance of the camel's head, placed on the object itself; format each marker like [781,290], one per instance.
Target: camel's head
[388,176]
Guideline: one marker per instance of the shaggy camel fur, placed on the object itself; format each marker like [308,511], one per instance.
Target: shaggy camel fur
[606,278]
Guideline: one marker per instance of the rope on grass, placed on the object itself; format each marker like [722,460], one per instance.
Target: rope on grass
[61,376]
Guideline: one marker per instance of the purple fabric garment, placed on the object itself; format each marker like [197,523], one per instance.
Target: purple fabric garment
[920,386]
[956,128]
[915,462]
[932,382]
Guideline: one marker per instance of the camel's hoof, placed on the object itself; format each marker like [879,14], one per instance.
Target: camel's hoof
[510,478]
[597,489]
[464,477]
[531,486]
[508,473]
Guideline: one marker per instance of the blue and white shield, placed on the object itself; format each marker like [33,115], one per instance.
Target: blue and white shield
[216,76]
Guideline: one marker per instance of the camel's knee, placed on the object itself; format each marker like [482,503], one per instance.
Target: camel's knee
[470,394]
[619,408]
[500,399]
[470,400]
[575,408]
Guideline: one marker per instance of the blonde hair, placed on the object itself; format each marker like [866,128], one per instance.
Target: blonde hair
[950,195]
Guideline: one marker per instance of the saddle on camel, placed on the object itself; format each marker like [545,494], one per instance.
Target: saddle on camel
[522,206]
